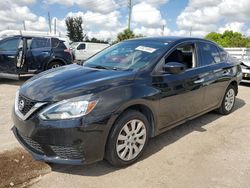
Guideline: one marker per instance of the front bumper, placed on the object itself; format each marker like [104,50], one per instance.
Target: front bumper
[245,75]
[65,142]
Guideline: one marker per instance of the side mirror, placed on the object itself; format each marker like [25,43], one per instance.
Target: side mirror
[174,68]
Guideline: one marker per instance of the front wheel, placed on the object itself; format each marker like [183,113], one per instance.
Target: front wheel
[128,139]
[228,101]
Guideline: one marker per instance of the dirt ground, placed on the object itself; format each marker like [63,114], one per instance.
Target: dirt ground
[210,151]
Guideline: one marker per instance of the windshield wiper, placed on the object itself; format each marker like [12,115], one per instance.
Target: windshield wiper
[100,67]
[103,67]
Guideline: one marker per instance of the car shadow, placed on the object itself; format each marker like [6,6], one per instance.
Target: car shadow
[244,84]
[14,82]
[154,145]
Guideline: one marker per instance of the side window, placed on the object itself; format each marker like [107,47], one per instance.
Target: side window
[184,54]
[62,45]
[81,47]
[223,55]
[54,42]
[9,44]
[209,54]
[40,43]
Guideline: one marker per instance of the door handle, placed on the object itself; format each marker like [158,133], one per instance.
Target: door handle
[11,56]
[199,81]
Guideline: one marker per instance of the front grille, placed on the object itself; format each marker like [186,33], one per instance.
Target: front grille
[32,144]
[68,152]
[28,104]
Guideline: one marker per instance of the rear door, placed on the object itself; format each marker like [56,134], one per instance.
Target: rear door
[8,55]
[38,52]
[216,73]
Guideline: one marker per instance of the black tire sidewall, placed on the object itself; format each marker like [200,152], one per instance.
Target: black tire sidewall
[111,154]
[53,63]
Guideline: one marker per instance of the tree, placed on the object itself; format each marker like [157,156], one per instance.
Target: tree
[127,34]
[95,40]
[229,39]
[74,28]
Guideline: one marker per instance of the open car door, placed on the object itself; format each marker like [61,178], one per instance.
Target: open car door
[11,57]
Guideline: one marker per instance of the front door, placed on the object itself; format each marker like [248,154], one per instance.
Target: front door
[181,95]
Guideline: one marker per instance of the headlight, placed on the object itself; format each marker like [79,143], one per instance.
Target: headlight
[68,109]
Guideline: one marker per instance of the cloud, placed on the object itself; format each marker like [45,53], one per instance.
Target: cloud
[205,16]
[234,26]
[146,15]
[101,6]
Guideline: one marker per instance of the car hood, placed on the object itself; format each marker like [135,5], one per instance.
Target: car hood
[72,81]
[247,63]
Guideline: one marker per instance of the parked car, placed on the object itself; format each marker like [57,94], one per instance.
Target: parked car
[245,65]
[130,92]
[84,50]
[22,54]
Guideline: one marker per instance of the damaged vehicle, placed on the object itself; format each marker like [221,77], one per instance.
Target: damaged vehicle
[110,106]
[20,55]
[245,65]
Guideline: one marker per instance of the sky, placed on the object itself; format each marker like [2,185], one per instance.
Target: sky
[104,19]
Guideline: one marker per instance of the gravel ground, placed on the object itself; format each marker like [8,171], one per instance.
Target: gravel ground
[210,151]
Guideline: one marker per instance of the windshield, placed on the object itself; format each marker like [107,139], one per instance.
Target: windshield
[128,55]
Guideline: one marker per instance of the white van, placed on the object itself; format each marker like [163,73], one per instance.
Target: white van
[84,50]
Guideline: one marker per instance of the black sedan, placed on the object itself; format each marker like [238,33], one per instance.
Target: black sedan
[132,91]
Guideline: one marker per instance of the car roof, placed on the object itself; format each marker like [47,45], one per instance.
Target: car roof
[169,39]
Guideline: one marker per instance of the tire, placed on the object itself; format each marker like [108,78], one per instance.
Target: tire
[53,65]
[125,145]
[228,102]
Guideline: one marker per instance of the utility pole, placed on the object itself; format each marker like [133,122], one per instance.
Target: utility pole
[55,26]
[162,30]
[129,13]
[24,26]
[49,22]
[190,33]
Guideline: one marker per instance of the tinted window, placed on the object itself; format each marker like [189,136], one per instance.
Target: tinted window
[9,44]
[62,45]
[40,43]
[81,47]
[209,54]
[54,42]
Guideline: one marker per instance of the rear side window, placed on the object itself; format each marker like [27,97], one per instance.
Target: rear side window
[62,45]
[209,54]
[40,43]
[56,43]
[9,44]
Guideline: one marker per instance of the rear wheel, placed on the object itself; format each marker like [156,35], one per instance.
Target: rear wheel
[128,139]
[228,101]
[54,64]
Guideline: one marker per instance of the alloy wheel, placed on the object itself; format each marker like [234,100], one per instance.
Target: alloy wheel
[229,99]
[131,140]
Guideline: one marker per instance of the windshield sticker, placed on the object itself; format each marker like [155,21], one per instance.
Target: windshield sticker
[146,49]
